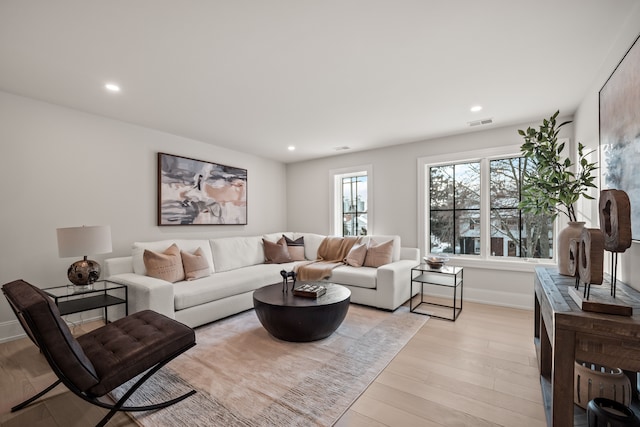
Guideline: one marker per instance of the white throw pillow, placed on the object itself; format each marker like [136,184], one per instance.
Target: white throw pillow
[230,253]
[311,244]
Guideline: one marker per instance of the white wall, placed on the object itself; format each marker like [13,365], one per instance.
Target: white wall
[395,202]
[587,127]
[395,186]
[60,168]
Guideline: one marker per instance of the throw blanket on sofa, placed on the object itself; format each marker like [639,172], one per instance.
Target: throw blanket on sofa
[331,254]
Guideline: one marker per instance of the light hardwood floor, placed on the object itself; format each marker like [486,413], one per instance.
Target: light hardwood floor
[478,371]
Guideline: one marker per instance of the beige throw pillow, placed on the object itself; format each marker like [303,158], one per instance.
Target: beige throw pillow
[378,254]
[356,255]
[166,266]
[296,248]
[276,253]
[195,265]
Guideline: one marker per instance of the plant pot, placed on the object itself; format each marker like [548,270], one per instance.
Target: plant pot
[573,230]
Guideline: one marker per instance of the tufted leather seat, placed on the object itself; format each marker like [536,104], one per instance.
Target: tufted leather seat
[105,358]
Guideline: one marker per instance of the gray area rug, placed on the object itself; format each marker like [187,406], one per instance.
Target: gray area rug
[245,377]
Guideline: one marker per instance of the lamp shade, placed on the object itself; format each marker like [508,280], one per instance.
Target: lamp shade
[82,241]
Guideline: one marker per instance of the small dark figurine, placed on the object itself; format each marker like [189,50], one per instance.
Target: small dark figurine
[285,279]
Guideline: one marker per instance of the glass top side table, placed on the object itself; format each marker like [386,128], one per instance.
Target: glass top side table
[448,279]
[74,299]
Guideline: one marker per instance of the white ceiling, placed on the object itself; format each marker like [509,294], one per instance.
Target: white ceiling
[259,75]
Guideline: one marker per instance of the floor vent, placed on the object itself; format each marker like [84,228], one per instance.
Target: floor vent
[481,122]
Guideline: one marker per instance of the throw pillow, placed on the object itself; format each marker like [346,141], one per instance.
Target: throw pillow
[378,254]
[296,248]
[356,255]
[276,253]
[166,266]
[195,265]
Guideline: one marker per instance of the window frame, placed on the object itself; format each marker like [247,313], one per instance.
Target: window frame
[484,259]
[335,206]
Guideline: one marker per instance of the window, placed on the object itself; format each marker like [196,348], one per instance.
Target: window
[454,195]
[351,202]
[471,207]
[513,232]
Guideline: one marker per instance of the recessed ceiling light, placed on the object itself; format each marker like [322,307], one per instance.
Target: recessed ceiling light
[291,148]
[476,108]
[112,87]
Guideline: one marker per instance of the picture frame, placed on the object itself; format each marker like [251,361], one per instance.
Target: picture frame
[619,108]
[198,192]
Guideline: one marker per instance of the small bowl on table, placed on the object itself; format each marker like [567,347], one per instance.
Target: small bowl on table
[436,261]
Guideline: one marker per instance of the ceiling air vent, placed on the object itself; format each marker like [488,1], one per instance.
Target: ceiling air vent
[481,122]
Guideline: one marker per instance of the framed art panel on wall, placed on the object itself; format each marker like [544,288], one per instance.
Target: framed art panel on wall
[197,192]
[620,132]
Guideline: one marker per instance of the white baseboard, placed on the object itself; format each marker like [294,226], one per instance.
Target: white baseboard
[12,330]
[484,296]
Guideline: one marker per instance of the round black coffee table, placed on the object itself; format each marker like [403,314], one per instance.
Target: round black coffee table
[300,319]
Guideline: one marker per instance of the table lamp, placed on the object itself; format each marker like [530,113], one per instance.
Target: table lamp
[80,241]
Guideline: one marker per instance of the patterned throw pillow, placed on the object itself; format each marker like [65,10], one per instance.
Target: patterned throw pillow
[356,255]
[378,254]
[166,266]
[276,253]
[195,265]
[296,248]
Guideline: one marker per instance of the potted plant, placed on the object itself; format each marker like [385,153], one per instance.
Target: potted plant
[551,183]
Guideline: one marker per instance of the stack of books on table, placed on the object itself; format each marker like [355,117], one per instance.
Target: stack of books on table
[309,290]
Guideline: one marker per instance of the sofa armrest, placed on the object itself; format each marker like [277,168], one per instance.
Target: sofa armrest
[147,293]
[410,253]
[394,283]
[113,266]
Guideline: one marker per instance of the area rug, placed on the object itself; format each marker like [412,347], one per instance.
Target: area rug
[245,377]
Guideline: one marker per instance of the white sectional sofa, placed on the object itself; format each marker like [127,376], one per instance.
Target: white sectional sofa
[237,267]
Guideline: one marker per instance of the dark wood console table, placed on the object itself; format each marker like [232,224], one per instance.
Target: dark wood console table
[564,333]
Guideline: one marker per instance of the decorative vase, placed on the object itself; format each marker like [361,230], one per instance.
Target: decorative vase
[592,380]
[573,230]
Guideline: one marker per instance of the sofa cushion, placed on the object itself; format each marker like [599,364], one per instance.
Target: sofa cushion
[274,237]
[225,284]
[195,265]
[166,265]
[296,248]
[311,244]
[189,245]
[362,277]
[356,255]
[378,254]
[230,253]
[276,253]
[395,255]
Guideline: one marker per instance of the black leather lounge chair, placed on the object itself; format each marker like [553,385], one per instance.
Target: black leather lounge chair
[99,361]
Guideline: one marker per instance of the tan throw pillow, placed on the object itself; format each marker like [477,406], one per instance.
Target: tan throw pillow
[195,265]
[378,254]
[276,253]
[296,248]
[356,255]
[166,266]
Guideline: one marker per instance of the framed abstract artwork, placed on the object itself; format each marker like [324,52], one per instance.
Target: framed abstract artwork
[620,132]
[197,192]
